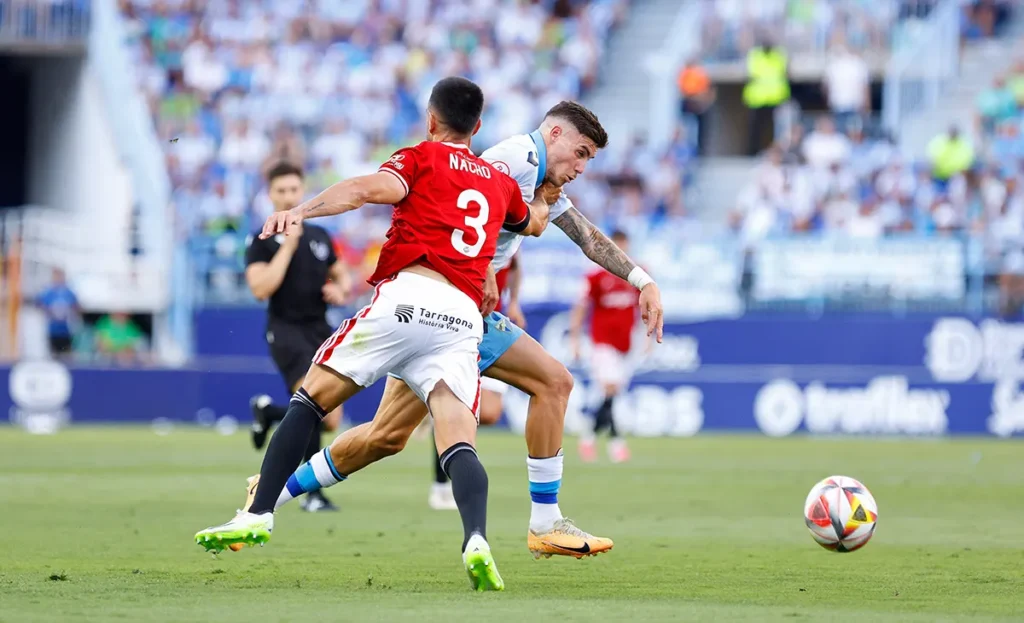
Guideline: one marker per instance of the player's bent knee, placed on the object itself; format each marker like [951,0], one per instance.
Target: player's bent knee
[560,381]
[328,388]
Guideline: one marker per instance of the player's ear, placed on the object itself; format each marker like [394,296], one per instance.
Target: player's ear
[476,128]
[556,132]
[431,123]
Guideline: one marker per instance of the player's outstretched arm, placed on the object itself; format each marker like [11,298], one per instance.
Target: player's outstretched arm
[606,254]
[382,187]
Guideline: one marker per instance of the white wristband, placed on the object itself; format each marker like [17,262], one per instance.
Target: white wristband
[638,278]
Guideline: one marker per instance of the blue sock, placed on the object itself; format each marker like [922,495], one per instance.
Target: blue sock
[315,474]
[545,481]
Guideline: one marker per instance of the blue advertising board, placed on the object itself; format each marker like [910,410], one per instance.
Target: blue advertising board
[777,374]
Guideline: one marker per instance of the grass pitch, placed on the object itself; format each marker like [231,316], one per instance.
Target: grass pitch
[97,525]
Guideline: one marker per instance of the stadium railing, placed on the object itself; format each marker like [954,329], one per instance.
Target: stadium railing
[923,67]
[34,21]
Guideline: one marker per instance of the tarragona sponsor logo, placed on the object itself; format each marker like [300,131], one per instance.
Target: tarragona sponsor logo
[443,321]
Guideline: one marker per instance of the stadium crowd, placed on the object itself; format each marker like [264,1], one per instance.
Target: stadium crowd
[336,87]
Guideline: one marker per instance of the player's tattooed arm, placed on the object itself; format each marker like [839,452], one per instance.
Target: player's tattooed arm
[594,244]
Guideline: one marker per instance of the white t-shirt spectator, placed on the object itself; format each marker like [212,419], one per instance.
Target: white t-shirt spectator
[838,212]
[343,147]
[760,215]
[245,149]
[846,80]
[822,149]
[193,151]
[201,69]
[833,181]
[520,24]
[865,225]
[895,181]
[798,194]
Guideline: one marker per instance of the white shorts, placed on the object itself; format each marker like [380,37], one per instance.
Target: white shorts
[493,385]
[609,366]
[422,330]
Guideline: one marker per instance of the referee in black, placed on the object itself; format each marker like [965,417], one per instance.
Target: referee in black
[300,275]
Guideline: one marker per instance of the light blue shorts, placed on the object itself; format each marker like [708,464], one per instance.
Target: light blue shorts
[499,335]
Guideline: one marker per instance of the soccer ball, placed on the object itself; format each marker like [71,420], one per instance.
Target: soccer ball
[841,514]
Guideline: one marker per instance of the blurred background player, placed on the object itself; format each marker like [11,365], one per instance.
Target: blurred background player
[299,274]
[611,303]
[492,391]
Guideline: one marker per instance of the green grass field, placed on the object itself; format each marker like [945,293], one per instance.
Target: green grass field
[98,525]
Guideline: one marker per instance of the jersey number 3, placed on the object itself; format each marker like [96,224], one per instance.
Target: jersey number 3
[476,223]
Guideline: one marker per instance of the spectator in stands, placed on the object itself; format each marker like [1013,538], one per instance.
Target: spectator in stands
[866,222]
[1007,144]
[117,337]
[792,145]
[63,312]
[846,84]
[825,146]
[950,154]
[244,146]
[193,149]
[995,105]
[696,94]
[755,217]
[766,89]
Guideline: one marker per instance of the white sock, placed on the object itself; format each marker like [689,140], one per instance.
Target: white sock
[545,481]
[315,474]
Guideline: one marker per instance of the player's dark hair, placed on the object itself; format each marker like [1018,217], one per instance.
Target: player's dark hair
[281,169]
[458,103]
[619,235]
[581,118]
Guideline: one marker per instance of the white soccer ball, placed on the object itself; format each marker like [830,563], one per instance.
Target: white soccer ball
[841,514]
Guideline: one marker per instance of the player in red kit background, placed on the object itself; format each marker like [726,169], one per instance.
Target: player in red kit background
[612,305]
[423,325]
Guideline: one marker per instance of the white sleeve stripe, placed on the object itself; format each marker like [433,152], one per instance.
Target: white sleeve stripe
[400,178]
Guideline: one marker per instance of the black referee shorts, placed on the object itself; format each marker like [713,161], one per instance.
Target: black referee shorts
[292,346]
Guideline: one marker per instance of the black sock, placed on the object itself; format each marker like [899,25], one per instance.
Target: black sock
[469,484]
[603,416]
[314,441]
[274,414]
[612,431]
[286,449]
[439,476]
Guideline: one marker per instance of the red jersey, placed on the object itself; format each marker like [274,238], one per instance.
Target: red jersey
[613,309]
[450,218]
[501,277]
